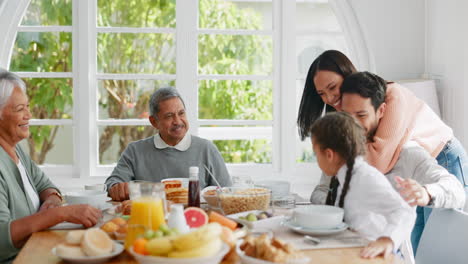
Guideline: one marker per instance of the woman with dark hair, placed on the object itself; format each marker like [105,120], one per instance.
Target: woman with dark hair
[329,71]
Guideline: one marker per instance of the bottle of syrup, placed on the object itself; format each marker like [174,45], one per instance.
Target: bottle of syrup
[194,188]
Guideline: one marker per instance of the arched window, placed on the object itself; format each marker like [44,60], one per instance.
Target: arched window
[91,65]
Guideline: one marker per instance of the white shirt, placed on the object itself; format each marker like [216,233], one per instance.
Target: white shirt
[28,187]
[372,206]
[183,145]
[415,163]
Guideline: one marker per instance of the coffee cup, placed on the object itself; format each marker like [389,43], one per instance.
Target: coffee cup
[96,187]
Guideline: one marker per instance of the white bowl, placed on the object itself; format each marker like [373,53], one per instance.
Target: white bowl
[271,222]
[91,197]
[249,260]
[163,260]
[118,248]
[318,216]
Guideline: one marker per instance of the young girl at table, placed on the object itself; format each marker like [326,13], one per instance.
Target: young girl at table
[371,205]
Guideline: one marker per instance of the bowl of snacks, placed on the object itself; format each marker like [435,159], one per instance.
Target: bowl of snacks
[233,200]
[267,250]
[257,218]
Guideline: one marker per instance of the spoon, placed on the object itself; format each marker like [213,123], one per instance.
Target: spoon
[314,240]
[212,176]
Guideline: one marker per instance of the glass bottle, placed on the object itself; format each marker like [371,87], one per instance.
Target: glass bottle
[194,188]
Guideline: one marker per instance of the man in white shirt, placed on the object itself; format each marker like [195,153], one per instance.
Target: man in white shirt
[169,153]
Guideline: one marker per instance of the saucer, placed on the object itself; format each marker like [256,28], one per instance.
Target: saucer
[315,231]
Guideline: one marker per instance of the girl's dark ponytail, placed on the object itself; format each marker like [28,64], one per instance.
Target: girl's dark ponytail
[349,173]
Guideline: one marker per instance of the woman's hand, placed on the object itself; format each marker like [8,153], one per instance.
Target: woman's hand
[382,246]
[81,214]
[412,192]
[51,202]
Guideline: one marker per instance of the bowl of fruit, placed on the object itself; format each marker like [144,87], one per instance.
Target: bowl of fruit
[199,246]
[257,218]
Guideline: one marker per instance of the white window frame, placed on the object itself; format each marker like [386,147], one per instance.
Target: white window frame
[85,123]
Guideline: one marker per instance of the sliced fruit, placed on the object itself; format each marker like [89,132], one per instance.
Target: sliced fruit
[195,217]
[215,217]
[159,246]
[69,251]
[251,217]
[139,246]
[204,250]
[228,236]
[96,242]
[74,237]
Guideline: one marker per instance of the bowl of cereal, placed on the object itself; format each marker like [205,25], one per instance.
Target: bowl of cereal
[233,200]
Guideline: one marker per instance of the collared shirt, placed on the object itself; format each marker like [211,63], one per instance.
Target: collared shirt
[372,206]
[183,145]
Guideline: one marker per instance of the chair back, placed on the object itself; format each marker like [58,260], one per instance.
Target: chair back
[445,238]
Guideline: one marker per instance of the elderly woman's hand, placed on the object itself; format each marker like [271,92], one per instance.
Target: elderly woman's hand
[51,202]
[81,214]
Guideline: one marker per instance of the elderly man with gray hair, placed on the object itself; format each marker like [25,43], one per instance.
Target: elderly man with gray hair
[169,153]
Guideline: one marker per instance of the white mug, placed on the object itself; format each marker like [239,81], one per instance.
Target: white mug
[96,187]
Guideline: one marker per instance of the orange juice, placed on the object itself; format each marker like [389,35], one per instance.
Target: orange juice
[147,213]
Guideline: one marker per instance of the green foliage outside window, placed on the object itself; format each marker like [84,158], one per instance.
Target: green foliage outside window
[154,54]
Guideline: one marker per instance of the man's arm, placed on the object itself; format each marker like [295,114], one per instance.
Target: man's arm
[117,182]
[444,188]
[319,195]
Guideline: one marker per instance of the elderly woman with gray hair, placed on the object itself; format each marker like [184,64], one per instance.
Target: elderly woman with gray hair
[29,202]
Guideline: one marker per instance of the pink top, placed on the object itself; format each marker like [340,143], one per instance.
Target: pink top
[406,118]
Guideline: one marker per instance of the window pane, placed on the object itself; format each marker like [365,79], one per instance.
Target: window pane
[309,47]
[48,13]
[121,99]
[224,14]
[142,13]
[50,144]
[136,53]
[235,99]
[235,54]
[316,16]
[114,139]
[245,151]
[50,98]
[42,52]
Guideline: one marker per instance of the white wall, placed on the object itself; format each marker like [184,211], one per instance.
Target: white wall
[394,33]
[447,60]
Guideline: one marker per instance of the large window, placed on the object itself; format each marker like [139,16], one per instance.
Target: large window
[91,66]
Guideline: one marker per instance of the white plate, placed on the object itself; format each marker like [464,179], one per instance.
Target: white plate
[163,260]
[309,231]
[118,248]
[270,222]
[66,225]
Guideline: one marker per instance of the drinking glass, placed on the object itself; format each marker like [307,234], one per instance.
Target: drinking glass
[148,200]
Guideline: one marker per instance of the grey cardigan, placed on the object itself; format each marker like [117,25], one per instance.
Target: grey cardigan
[14,201]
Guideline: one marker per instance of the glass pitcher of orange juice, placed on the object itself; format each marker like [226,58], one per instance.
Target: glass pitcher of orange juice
[148,199]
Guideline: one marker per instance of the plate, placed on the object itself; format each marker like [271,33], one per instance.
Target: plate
[309,231]
[118,248]
[163,260]
[66,225]
[271,222]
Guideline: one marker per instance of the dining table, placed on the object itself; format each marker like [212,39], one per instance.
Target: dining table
[38,249]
